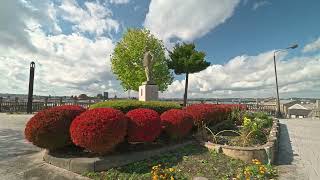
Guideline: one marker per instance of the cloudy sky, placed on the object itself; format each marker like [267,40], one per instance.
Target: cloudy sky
[71,42]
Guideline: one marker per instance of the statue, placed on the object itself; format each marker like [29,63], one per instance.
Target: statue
[148,91]
[147,64]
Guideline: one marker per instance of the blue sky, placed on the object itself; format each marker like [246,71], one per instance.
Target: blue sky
[71,42]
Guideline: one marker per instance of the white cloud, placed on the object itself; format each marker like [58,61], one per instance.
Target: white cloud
[253,76]
[72,63]
[313,46]
[260,4]
[65,63]
[15,18]
[187,19]
[94,19]
[119,1]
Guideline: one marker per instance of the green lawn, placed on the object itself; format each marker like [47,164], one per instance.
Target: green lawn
[187,162]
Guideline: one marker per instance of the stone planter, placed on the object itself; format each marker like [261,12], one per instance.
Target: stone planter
[266,153]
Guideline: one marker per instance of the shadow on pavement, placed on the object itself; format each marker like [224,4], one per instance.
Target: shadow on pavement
[285,155]
[13,143]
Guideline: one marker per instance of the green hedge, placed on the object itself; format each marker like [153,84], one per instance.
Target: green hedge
[127,105]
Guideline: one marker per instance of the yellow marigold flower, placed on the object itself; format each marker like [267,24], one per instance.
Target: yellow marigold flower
[171,178]
[171,169]
[246,173]
[262,168]
[155,177]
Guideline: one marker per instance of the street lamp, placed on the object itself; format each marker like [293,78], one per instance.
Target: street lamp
[278,113]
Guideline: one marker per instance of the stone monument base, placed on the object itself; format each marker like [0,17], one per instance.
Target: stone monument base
[148,92]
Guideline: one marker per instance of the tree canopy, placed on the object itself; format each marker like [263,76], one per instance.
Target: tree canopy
[185,59]
[127,57]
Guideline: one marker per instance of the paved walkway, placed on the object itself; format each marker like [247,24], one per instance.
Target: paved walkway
[19,159]
[299,149]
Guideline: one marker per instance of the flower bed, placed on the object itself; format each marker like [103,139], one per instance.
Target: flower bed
[256,139]
[103,137]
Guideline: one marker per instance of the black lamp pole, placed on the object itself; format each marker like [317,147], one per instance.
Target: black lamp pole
[30,92]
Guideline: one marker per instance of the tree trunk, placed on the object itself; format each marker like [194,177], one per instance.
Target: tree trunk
[186,91]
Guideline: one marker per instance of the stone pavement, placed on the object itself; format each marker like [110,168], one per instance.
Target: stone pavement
[20,159]
[299,149]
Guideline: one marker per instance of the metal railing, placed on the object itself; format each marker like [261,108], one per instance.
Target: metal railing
[21,106]
[16,106]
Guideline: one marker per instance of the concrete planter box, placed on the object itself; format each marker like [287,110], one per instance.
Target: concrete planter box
[83,164]
[266,153]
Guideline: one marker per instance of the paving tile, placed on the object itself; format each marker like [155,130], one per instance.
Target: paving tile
[299,149]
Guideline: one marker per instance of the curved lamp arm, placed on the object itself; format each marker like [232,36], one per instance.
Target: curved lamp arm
[286,49]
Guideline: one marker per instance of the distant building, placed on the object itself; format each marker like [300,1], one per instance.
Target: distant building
[284,104]
[105,95]
[83,97]
[298,111]
[99,96]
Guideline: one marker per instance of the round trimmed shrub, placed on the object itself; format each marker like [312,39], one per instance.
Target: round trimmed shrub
[211,113]
[176,123]
[201,113]
[49,128]
[144,125]
[99,130]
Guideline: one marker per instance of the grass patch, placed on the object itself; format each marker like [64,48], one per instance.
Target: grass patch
[189,161]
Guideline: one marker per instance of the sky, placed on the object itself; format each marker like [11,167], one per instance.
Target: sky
[71,42]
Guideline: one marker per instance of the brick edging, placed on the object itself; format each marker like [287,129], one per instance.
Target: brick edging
[82,164]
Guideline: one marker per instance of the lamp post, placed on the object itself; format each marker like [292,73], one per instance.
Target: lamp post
[278,113]
[30,92]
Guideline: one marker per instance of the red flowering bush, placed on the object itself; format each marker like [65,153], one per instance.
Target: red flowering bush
[99,130]
[201,113]
[144,125]
[211,113]
[176,123]
[50,128]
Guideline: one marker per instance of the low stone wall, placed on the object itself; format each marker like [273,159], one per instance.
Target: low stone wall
[266,153]
[95,164]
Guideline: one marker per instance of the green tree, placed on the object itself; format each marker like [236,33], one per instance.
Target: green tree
[184,59]
[127,59]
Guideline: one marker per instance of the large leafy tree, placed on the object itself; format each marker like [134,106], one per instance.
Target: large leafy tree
[185,59]
[127,59]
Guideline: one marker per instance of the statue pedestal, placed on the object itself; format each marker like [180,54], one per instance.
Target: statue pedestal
[148,92]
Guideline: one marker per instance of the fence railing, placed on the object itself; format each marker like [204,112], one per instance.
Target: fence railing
[270,109]
[15,106]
